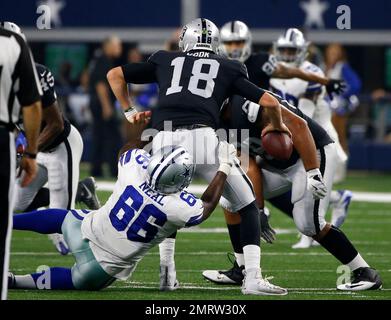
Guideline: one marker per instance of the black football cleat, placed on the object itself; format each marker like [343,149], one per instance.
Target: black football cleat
[363,279]
[86,193]
[233,276]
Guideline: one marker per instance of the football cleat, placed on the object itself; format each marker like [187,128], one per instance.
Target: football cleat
[11,281]
[254,284]
[233,276]
[340,209]
[59,243]
[168,280]
[86,193]
[363,279]
[305,242]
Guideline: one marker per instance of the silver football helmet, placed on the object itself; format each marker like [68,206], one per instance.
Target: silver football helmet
[11,26]
[235,31]
[292,40]
[199,34]
[170,169]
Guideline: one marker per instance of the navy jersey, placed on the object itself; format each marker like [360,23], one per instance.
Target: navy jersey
[236,118]
[48,99]
[260,67]
[192,85]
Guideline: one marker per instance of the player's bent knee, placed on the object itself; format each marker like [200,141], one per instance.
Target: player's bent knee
[231,218]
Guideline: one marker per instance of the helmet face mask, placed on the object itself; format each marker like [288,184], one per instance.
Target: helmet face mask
[291,47]
[236,41]
[170,170]
[201,34]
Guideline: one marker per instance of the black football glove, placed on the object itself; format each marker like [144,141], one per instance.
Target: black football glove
[267,232]
[335,86]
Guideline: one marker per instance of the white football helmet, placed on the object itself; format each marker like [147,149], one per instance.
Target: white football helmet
[170,169]
[235,31]
[292,39]
[201,34]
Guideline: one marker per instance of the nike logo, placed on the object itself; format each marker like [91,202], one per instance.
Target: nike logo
[42,74]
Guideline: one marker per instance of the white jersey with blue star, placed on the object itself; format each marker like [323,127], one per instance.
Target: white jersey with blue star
[135,218]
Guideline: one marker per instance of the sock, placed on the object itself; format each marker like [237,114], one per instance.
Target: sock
[42,221]
[52,279]
[41,199]
[250,226]
[252,257]
[239,258]
[339,246]
[167,251]
[234,235]
[357,262]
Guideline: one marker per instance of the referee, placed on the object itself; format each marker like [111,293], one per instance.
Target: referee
[19,86]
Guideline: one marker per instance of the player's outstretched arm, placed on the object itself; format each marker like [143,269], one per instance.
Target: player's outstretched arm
[117,82]
[211,196]
[332,85]
[272,109]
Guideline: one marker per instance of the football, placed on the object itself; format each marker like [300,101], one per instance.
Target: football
[278,145]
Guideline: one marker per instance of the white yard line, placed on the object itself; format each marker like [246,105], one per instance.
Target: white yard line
[207,253]
[382,197]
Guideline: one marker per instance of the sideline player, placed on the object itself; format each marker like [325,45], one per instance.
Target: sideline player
[193,84]
[142,211]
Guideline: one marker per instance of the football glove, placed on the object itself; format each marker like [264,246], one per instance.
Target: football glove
[227,155]
[267,232]
[252,110]
[316,184]
[335,86]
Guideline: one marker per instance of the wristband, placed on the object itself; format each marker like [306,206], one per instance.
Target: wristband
[30,155]
[130,112]
[225,168]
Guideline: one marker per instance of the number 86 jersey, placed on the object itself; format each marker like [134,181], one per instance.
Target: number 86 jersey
[135,218]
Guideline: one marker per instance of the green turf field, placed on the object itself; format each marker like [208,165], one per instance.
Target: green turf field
[308,274]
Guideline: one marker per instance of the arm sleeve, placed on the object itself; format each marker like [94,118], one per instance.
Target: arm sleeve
[247,89]
[29,87]
[47,83]
[139,73]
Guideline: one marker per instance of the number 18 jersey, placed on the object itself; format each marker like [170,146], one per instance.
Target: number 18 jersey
[135,217]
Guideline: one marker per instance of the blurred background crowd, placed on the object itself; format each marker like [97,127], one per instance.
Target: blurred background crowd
[79,56]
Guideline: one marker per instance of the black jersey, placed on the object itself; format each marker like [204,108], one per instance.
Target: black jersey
[192,85]
[260,67]
[48,99]
[237,119]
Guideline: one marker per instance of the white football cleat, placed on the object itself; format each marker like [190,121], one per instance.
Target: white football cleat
[254,284]
[168,280]
[305,242]
[59,243]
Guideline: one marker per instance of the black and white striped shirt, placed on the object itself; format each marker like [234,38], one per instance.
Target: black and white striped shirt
[19,84]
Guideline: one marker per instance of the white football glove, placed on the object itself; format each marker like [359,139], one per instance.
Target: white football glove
[316,184]
[130,113]
[251,109]
[227,155]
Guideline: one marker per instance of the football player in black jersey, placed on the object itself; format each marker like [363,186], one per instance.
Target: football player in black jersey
[236,43]
[307,177]
[193,84]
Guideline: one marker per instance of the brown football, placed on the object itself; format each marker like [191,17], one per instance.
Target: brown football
[278,145]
